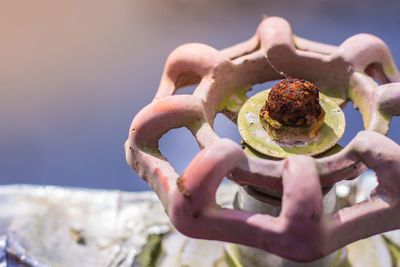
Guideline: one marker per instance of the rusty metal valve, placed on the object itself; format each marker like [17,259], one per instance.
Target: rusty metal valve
[344,73]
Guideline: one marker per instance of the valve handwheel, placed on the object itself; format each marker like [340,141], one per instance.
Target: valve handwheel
[224,77]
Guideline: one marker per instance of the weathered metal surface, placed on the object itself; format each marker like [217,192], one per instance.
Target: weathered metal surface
[51,226]
[254,134]
[341,73]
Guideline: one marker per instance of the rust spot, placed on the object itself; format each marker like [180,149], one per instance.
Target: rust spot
[316,217]
[286,164]
[77,236]
[181,187]
[196,214]
[293,102]
[163,179]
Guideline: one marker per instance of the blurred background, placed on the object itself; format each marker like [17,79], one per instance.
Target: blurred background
[74,73]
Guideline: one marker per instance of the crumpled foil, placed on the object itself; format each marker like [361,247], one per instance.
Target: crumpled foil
[63,227]
[53,226]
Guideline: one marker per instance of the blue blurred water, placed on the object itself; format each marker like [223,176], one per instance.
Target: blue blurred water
[65,123]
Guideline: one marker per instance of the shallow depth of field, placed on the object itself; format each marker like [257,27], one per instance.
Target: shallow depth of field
[73,74]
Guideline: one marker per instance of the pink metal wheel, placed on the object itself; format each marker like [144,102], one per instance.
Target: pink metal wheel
[343,73]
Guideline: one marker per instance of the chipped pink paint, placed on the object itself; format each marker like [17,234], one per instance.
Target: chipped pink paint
[345,69]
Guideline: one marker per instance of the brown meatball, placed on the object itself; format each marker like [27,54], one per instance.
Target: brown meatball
[294,102]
